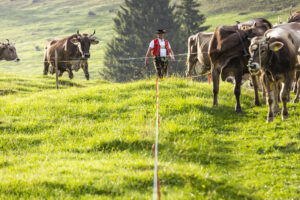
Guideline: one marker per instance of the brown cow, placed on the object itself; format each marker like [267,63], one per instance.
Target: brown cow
[228,53]
[8,52]
[198,53]
[275,54]
[73,51]
[294,17]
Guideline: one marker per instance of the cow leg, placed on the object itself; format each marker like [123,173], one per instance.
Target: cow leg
[285,97]
[69,70]
[269,97]
[85,68]
[216,82]
[254,79]
[46,66]
[297,86]
[277,88]
[191,61]
[237,91]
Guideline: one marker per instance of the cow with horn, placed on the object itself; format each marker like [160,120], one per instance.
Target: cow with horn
[197,56]
[8,51]
[228,54]
[73,52]
[277,56]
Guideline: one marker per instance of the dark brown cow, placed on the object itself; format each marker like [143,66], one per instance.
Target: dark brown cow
[294,17]
[275,54]
[8,52]
[228,53]
[198,53]
[73,51]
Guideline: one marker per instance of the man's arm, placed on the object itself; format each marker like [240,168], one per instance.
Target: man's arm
[147,56]
[172,55]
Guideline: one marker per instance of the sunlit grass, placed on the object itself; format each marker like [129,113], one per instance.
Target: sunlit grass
[93,140]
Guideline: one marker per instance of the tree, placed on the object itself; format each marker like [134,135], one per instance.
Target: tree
[189,17]
[134,28]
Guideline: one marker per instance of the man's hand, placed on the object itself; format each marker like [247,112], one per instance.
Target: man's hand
[173,58]
[146,62]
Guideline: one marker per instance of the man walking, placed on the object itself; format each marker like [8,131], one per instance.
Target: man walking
[160,49]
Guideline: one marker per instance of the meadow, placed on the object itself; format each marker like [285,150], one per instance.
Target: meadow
[30,25]
[93,139]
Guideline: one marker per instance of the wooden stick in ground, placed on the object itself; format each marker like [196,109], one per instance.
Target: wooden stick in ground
[56,68]
[158,185]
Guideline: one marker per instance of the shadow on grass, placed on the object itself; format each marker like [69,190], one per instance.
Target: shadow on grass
[12,144]
[205,186]
[121,145]
[24,129]
[79,190]
[5,164]
[291,147]
[7,92]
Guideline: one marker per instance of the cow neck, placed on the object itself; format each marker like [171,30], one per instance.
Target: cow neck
[241,40]
[268,64]
[75,53]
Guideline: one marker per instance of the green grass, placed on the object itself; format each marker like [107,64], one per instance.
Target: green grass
[32,24]
[93,140]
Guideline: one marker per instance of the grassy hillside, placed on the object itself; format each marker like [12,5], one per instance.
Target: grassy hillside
[32,24]
[95,142]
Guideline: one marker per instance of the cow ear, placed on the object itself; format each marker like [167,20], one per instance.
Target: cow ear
[75,41]
[276,46]
[2,46]
[94,41]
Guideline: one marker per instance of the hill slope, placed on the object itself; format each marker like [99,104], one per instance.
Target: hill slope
[32,24]
[95,142]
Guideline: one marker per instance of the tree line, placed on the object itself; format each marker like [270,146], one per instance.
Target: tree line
[134,26]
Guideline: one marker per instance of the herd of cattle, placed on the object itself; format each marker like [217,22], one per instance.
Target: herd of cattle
[269,55]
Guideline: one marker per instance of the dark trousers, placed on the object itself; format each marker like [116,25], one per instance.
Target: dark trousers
[161,66]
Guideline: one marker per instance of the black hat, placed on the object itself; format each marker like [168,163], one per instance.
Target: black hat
[159,31]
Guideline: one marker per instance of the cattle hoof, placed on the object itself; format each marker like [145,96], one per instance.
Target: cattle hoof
[284,117]
[296,101]
[276,110]
[257,103]
[270,119]
[238,110]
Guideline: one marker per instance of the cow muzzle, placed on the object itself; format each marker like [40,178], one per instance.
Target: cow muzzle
[17,60]
[87,55]
[254,67]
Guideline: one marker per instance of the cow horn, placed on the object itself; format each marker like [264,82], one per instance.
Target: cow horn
[291,10]
[253,25]
[7,41]
[279,20]
[78,32]
[92,34]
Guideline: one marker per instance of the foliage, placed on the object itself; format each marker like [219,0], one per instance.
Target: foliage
[134,26]
[189,17]
[95,142]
